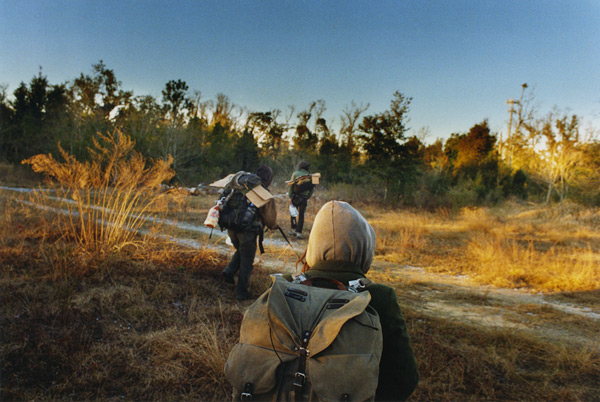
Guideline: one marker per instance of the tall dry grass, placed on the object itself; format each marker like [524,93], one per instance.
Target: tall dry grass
[108,198]
[547,248]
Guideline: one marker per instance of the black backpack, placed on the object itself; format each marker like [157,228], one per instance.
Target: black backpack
[236,211]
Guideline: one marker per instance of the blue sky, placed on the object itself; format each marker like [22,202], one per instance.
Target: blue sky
[459,60]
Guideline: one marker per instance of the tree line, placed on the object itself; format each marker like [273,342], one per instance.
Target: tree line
[545,158]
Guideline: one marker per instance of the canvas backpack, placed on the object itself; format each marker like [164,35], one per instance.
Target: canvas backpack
[236,211]
[306,343]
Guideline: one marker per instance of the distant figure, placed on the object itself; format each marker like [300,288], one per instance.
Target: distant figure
[341,247]
[299,192]
[245,239]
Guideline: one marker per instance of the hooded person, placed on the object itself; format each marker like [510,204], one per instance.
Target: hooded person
[341,246]
[299,200]
[245,242]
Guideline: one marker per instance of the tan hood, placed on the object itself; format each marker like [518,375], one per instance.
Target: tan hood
[340,233]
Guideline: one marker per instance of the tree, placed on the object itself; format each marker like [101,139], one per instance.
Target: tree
[246,152]
[97,100]
[268,132]
[349,119]
[383,141]
[176,103]
[383,134]
[32,124]
[305,141]
[222,113]
[144,123]
[199,110]
[473,149]
[100,94]
[6,123]
[520,143]
[563,156]
[475,158]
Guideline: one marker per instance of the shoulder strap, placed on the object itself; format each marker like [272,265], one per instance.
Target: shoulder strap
[318,280]
[261,236]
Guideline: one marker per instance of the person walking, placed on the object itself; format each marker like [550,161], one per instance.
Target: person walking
[245,242]
[341,246]
[299,195]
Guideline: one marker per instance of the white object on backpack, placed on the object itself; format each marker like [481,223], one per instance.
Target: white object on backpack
[213,217]
[293,210]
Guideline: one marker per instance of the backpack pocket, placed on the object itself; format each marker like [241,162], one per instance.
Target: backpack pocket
[351,377]
[250,364]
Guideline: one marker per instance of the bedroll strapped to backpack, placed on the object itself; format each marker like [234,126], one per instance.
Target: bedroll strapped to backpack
[300,342]
[302,184]
[236,211]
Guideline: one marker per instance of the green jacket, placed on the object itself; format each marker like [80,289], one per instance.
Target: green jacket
[398,375]
[298,173]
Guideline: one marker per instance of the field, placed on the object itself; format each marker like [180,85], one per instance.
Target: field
[502,303]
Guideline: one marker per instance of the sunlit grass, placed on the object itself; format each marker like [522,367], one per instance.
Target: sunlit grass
[547,248]
[109,197]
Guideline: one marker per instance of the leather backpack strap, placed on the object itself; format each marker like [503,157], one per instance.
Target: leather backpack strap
[314,281]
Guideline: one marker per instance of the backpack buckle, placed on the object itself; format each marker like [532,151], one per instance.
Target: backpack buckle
[299,278]
[303,351]
[299,379]
[356,286]
[247,394]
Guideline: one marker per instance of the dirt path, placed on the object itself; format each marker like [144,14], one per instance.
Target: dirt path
[548,317]
[460,298]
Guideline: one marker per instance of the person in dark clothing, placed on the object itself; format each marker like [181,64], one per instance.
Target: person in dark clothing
[299,200]
[341,246]
[245,242]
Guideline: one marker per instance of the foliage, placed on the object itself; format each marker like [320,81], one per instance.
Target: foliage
[113,193]
[544,158]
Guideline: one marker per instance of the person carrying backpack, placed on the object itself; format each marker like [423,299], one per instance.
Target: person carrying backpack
[356,347]
[299,192]
[244,237]
[341,247]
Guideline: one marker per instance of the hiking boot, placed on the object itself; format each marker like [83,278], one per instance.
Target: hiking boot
[292,232]
[299,236]
[228,278]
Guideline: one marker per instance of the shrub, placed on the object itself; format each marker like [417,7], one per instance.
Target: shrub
[108,198]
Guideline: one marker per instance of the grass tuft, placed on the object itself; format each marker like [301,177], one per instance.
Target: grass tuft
[109,197]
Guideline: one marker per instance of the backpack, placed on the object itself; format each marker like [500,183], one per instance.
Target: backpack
[302,342]
[236,211]
[302,184]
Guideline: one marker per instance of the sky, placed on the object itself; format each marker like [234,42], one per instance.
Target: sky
[459,61]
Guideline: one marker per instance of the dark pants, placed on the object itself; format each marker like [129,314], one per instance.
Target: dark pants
[242,260]
[298,223]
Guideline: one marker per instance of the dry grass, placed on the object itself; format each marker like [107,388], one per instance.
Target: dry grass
[141,324]
[460,362]
[155,322]
[544,248]
[114,192]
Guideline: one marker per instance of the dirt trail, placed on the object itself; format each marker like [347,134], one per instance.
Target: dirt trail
[459,298]
[452,297]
